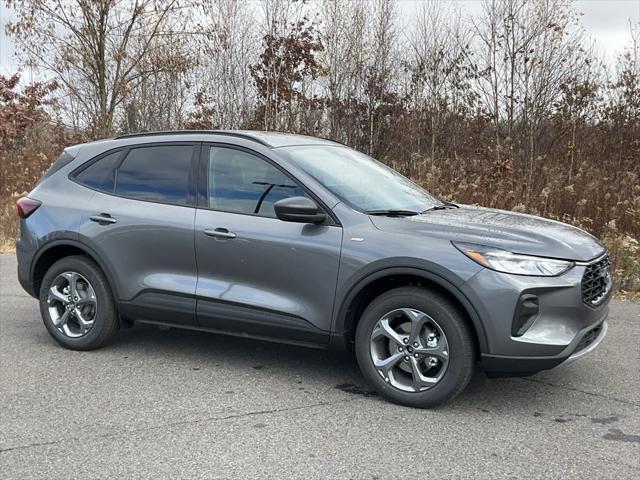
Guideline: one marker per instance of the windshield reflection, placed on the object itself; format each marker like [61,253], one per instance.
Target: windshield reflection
[360,181]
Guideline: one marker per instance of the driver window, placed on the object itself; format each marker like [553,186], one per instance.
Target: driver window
[240,182]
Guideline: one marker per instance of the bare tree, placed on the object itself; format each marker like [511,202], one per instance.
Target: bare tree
[162,101]
[287,66]
[98,50]
[228,47]
[344,37]
[439,45]
[380,70]
[526,51]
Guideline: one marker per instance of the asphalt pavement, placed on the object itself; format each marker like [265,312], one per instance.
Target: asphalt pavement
[181,404]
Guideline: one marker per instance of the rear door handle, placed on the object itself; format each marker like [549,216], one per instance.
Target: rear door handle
[219,233]
[103,219]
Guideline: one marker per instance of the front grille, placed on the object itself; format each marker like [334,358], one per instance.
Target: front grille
[588,338]
[596,282]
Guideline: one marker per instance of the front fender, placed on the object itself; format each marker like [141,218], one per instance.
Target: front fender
[430,271]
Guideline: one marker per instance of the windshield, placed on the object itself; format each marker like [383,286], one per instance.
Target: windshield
[360,181]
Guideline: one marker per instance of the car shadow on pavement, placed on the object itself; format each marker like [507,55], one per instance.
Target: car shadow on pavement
[323,368]
[210,349]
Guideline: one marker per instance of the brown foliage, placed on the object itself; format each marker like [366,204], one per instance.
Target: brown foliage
[29,142]
[285,63]
[21,110]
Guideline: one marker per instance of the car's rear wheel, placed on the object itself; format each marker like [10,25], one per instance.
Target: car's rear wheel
[76,304]
[414,347]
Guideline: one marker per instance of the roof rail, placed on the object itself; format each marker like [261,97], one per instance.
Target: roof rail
[181,132]
[334,141]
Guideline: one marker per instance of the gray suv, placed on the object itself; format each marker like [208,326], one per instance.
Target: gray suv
[302,240]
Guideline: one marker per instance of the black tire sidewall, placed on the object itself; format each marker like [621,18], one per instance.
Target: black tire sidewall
[105,322]
[461,351]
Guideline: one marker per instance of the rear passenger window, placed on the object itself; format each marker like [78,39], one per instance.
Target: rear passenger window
[101,174]
[159,173]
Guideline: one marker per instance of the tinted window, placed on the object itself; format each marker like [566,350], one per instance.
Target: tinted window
[243,183]
[156,173]
[101,174]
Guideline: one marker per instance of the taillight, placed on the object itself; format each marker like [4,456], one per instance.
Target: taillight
[26,206]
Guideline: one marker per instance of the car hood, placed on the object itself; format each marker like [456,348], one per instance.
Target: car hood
[516,232]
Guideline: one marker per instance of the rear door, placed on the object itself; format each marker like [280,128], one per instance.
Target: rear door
[257,274]
[140,222]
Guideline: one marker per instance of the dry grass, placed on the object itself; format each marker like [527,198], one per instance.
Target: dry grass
[8,225]
[8,247]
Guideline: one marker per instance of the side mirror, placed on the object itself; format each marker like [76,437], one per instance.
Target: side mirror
[299,209]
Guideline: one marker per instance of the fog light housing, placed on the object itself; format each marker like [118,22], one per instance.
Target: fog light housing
[525,314]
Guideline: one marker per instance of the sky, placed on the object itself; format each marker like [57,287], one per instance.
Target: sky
[606,21]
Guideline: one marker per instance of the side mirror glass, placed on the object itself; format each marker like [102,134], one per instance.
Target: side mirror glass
[299,209]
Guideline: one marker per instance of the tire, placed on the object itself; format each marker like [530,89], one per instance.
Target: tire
[454,366]
[94,299]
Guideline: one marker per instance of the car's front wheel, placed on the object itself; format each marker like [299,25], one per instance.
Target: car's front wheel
[76,304]
[414,347]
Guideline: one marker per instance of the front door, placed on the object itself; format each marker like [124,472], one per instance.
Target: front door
[259,275]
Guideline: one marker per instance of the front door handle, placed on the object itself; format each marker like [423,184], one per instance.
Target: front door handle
[103,219]
[219,233]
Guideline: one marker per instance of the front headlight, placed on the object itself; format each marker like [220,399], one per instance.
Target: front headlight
[507,262]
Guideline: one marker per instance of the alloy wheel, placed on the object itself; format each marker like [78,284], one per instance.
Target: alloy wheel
[72,304]
[409,350]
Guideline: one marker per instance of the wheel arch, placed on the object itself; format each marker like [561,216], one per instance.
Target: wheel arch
[55,250]
[375,283]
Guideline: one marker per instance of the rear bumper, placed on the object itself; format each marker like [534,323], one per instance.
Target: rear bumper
[25,251]
[24,276]
[584,343]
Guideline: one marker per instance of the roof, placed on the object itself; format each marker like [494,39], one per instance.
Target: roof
[269,139]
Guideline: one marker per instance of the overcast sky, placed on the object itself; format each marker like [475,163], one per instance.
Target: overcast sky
[606,21]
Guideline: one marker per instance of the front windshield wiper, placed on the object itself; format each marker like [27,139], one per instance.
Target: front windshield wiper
[444,206]
[392,213]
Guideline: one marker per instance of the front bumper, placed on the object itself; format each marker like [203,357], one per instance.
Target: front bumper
[589,342]
[564,329]
[505,366]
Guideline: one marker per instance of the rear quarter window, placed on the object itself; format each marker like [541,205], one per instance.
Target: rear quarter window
[63,160]
[101,174]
